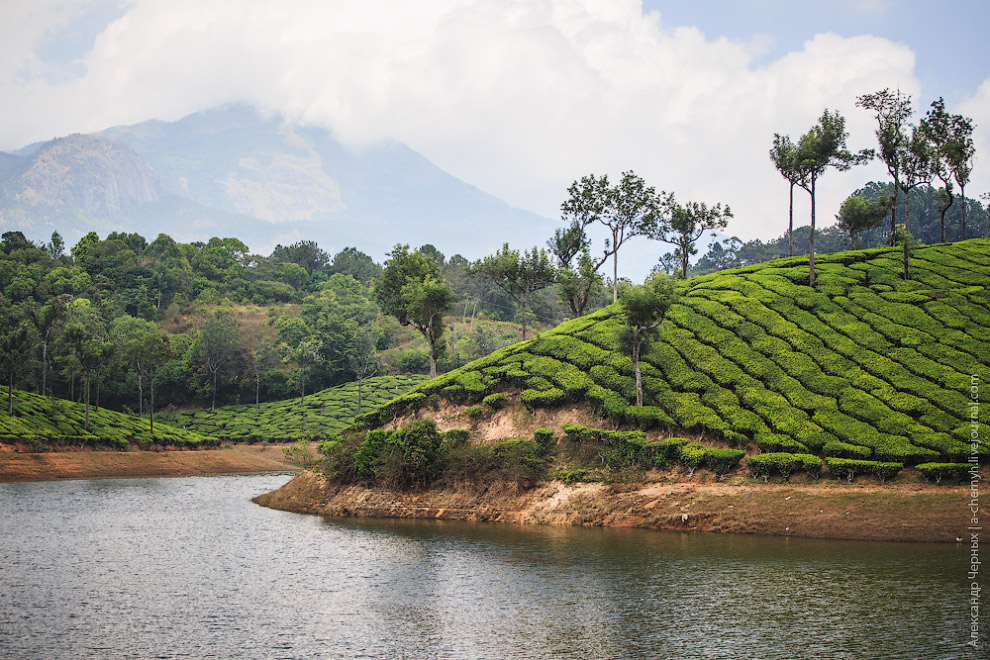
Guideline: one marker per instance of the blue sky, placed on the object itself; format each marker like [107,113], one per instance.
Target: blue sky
[519,98]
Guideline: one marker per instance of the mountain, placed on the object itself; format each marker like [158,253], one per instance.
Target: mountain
[234,171]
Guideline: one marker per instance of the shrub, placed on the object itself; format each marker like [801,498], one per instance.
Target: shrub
[849,468]
[721,461]
[772,442]
[543,439]
[938,471]
[839,449]
[692,455]
[783,463]
[647,417]
[455,438]
[519,461]
[667,450]
[547,398]
[495,401]
[475,413]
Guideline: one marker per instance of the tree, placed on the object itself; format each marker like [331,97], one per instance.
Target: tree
[950,138]
[916,166]
[306,254]
[858,214]
[644,308]
[217,343]
[412,290]
[891,110]
[353,262]
[159,352]
[56,246]
[45,319]
[517,274]
[139,341]
[88,351]
[364,360]
[682,226]
[15,338]
[576,282]
[783,154]
[822,147]
[626,210]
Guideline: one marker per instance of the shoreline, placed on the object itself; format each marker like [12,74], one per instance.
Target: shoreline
[868,512]
[62,465]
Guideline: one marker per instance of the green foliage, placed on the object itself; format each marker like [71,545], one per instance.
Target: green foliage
[784,464]
[848,468]
[938,471]
[721,461]
[495,401]
[475,413]
[543,439]
[692,455]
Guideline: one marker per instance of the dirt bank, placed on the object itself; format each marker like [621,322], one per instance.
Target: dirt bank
[898,512]
[20,466]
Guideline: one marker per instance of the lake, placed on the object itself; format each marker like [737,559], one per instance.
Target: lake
[191,568]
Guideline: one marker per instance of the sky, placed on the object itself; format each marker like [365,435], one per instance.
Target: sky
[517,97]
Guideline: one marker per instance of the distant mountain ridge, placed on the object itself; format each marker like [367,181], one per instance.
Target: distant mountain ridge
[234,172]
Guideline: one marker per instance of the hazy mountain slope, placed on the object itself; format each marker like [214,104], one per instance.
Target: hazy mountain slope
[865,359]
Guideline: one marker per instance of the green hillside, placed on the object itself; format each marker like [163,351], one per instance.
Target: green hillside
[324,413]
[43,422]
[865,365]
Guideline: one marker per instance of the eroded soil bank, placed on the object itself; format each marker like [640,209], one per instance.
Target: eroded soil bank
[898,512]
[22,466]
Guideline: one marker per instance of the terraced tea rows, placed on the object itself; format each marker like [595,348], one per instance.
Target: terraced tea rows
[324,413]
[865,365]
[41,422]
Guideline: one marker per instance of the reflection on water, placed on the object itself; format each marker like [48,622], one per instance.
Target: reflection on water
[168,568]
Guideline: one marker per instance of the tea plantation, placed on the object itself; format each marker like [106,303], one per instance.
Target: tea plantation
[43,423]
[323,414]
[865,367]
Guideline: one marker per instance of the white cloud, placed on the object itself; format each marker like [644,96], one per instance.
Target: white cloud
[519,98]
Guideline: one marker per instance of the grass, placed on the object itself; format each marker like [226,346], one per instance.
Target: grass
[754,355]
[323,415]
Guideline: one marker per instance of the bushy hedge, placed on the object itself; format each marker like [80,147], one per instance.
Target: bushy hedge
[848,468]
[938,471]
[784,464]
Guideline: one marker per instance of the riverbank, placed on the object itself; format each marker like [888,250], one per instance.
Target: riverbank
[894,512]
[44,466]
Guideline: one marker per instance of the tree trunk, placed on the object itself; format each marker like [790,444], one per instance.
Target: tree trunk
[302,381]
[97,406]
[906,198]
[257,392]
[87,400]
[44,366]
[10,394]
[639,376]
[213,403]
[962,209]
[433,360]
[893,216]
[151,406]
[523,301]
[811,240]
[790,225]
[615,269]
[361,386]
[140,396]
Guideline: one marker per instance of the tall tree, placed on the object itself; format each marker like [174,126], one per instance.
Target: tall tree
[412,289]
[643,309]
[217,344]
[88,351]
[822,147]
[15,338]
[517,274]
[783,154]
[138,342]
[45,319]
[364,360]
[625,210]
[682,226]
[891,109]
[916,166]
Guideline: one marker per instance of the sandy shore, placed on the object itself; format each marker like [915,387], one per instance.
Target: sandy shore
[20,466]
[897,512]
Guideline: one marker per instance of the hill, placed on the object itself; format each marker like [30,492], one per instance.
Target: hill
[865,365]
[323,414]
[42,422]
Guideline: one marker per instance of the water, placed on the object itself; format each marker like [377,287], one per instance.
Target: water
[190,568]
